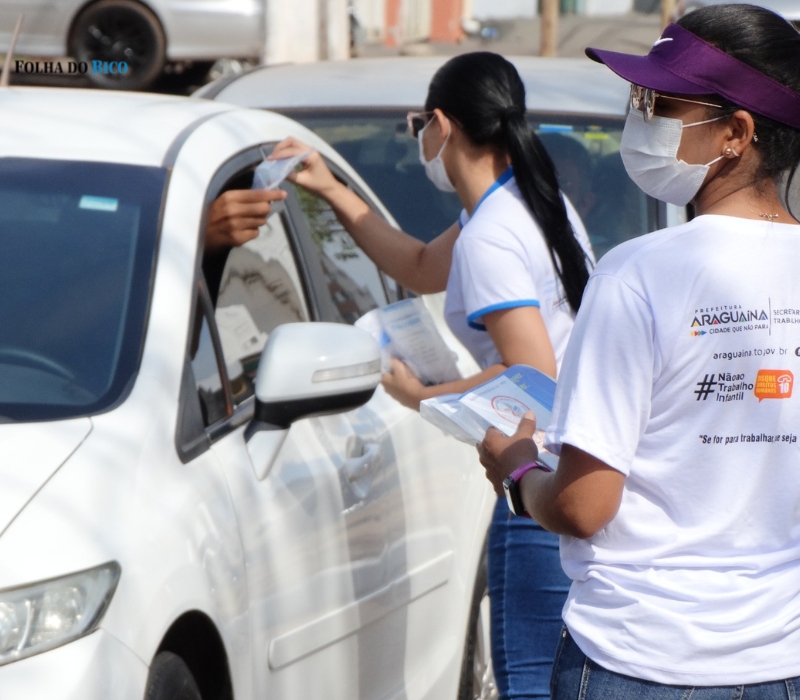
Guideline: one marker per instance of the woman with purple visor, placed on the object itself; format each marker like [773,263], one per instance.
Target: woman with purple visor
[676,417]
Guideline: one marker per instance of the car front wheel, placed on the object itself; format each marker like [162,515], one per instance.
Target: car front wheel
[477,675]
[120,42]
[170,679]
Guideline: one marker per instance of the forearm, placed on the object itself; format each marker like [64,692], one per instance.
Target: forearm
[401,256]
[461,385]
[545,504]
[579,499]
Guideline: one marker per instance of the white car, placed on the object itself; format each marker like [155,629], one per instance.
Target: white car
[202,492]
[577,107]
[143,34]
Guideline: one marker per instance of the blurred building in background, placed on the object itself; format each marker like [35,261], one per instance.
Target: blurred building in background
[302,31]
[397,22]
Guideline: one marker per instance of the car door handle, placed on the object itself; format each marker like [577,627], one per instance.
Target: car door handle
[357,468]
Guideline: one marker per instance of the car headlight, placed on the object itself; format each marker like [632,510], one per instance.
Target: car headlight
[44,615]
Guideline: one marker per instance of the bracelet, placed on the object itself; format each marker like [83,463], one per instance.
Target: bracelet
[519,472]
[511,487]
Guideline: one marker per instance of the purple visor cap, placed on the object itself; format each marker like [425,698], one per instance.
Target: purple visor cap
[683,64]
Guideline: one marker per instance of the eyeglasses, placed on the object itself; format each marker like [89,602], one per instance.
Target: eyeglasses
[417,121]
[644,99]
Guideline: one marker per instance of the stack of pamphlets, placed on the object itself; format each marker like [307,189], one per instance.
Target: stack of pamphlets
[406,330]
[501,402]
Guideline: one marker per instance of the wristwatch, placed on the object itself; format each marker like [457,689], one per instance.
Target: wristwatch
[511,487]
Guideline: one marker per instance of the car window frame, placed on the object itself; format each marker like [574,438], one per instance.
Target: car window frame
[310,252]
[192,438]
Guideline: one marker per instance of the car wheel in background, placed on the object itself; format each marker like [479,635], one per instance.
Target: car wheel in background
[121,38]
[477,675]
[170,679]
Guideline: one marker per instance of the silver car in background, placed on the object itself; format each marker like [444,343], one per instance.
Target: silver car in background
[577,107]
[146,35]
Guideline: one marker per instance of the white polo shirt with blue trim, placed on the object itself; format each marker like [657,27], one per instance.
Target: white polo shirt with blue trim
[501,261]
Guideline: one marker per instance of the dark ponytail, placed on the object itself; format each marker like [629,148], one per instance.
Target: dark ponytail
[768,43]
[483,92]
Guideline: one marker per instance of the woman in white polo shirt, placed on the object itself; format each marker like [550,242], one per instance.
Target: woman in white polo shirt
[677,415]
[514,269]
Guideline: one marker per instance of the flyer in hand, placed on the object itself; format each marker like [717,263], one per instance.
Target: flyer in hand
[501,402]
[406,330]
[271,173]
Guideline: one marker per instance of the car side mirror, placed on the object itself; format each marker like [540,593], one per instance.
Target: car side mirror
[311,369]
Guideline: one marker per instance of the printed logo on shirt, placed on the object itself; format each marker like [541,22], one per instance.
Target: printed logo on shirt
[786,315]
[706,387]
[728,319]
[723,387]
[774,384]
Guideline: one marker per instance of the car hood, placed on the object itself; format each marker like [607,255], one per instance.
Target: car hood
[30,453]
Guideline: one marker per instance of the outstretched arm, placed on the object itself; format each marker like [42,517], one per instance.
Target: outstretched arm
[422,268]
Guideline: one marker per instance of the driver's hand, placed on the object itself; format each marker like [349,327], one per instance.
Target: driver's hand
[236,215]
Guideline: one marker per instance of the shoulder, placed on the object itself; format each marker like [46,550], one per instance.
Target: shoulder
[503,218]
[659,248]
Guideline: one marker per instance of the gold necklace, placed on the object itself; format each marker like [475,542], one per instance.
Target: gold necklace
[769,217]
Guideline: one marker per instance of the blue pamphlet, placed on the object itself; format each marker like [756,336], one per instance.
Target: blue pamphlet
[501,402]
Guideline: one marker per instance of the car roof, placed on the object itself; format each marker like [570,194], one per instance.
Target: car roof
[96,125]
[568,85]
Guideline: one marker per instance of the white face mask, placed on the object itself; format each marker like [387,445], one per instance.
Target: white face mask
[649,152]
[434,168]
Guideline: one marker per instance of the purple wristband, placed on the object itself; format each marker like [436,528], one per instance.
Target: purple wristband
[519,472]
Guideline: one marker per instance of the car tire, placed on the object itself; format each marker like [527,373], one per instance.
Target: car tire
[119,31]
[477,677]
[171,679]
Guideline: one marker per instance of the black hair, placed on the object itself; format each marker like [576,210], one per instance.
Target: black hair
[484,94]
[767,42]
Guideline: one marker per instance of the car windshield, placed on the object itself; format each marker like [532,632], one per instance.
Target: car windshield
[585,150]
[78,243]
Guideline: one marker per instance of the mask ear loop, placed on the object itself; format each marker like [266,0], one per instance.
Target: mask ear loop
[707,121]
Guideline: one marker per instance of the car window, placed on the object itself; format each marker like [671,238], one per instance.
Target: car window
[381,151]
[78,242]
[585,150]
[350,284]
[591,174]
[260,288]
[205,368]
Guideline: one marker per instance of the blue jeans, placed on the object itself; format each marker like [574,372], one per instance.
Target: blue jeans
[575,676]
[527,590]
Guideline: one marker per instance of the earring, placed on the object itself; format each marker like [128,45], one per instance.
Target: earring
[755,137]
[729,152]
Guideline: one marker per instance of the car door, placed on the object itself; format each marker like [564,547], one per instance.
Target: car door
[310,523]
[434,494]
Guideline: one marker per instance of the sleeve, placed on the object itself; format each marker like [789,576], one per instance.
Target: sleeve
[495,274]
[604,390]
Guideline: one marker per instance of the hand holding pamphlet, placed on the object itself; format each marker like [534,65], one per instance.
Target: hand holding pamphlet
[271,173]
[501,402]
[407,331]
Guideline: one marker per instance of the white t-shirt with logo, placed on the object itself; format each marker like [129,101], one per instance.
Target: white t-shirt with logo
[681,373]
[501,261]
